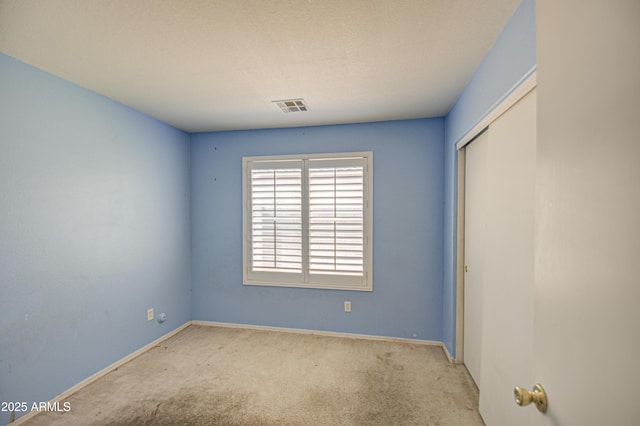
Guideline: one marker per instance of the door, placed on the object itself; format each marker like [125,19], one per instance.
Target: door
[498,285]
[475,237]
[587,302]
[507,324]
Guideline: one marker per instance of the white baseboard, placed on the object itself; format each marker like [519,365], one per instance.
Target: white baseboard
[451,359]
[327,333]
[102,373]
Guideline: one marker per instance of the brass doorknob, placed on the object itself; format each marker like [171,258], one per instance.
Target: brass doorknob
[526,397]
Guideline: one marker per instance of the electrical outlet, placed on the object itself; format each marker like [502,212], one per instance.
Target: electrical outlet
[347,306]
[149,314]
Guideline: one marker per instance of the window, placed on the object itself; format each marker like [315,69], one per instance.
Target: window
[307,220]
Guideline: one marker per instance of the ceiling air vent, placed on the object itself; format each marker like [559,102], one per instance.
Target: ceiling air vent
[292,105]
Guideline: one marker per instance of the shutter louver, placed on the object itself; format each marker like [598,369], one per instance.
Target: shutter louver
[276,224]
[336,218]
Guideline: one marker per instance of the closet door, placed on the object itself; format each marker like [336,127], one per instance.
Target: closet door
[475,238]
[507,353]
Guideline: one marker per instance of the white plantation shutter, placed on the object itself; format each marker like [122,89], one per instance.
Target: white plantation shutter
[307,221]
[336,217]
[276,218]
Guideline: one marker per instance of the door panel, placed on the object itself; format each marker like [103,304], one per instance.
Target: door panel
[507,333]
[499,246]
[588,222]
[475,238]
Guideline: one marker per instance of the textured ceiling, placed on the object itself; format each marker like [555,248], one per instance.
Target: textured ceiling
[205,65]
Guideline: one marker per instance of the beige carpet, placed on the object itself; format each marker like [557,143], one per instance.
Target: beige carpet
[226,376]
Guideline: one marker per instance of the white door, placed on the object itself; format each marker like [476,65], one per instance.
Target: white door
[587,302]
[474,249]
[499,227]
[507,324]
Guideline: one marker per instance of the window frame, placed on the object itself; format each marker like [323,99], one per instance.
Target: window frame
[306,279]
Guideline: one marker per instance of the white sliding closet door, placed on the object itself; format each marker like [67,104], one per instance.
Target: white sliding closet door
[475,238]
[499,248]
[507,336]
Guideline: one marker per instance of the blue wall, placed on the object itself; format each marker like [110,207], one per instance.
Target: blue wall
[511,58]
[407,231]
[94,229]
